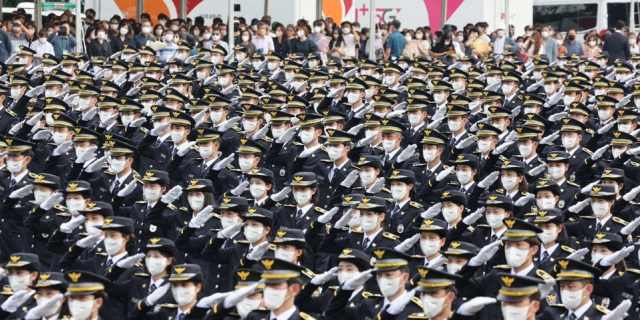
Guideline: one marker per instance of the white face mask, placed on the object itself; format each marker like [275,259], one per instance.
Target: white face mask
[556,172]
[246,306]
[274,298]
[196,203]
[414,119]
[117,165]
[567,100]
[431,306]
[253,234]
[389,287]
[529,110]
[353,97]
[463,176]
[156,266]
[429,247]
[245,164]
[15,93]
[495,220]
[600,209]
[42,300]
[288,75]
[548,235]
[484,146]
[205,152]
[389,80]
[604,115]
[450,214]
[151,195]
[80,310]
[14,166]
[334,152]
[228,221]
[571,299]
[492,80]
[75,205]
[453,268]
[546,203]
[50,93]
[176,136]
[183,295]
[256,64]
[549,88]
[368,93]
[457,85]
[398,192]
[201,75]
[306,136]
[59,138]
[516,257]
[474,104]
[126,119]
[616,152]
[624,127]
[302,197]
[569,143]
[515,313]
[389,145]
[113,246]
[438,98]
[367,177]
[271,65]
[18,283]
[276,133]
[509,182]
[344,276]
[355,220]
[429,155]
[215,116]
[525,150]
[595,257]
[40,196]
[369,223]
[257,190]
[506,89]
[240,57]
[454,126]
[104,115]
[283,254]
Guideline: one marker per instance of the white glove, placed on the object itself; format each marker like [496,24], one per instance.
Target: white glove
[137,122]
[357,281]
[558,116]
[97,165]
[209,80]
[133,91]
[367,140]
[227,124]
[324,277]
[310,151]
[555,98]
[22,192]
[326,218]
[127,190]
[607,127]
[287,135]
[36,91]
[515,112]
[624,101]
[546,287]
[396,306]
[474,305]
[88,241]
[50,202]
[344,221]
[63,148]
[587,189]
[485,254]
[437,262]
[432,211]
[242,187]
[511,136]
[90,114]
[578,254]
[136,77]
[394,114]
[258,251]
[35,119]
[235,297]
[41,135]
[633,151]
[537,170]
[502,148]
[350,179]
[14,129]
[444,173]
[620,312]
[164,89]
[362,112]
[524,200]
[435,123]
[229,231]
[465,142]
[616,256]
[550,138]
[223,163]
[157,294]
[283,194]
[87,155]
[11,60]
[131,261]
[356,129]
[473,218]
[631,227]
[172,195]
[489,180]
[336,93]
[210,301]
[377,186]
[203,216]
[72,224]
[159,130]
[632,194]
[16,300]
[576,208]
[261,133]
[408,243]
[407,153]
[45,309]
[184,148]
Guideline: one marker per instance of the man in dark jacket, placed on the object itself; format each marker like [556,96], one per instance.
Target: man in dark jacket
[617,44]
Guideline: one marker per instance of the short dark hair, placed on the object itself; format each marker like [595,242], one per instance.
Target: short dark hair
[620,24]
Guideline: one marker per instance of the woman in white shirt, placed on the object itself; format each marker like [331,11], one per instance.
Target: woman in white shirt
[41,47]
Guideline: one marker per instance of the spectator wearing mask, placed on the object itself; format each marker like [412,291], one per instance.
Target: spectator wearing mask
[573,47]
[63,42]
[18,35]
[562,50]
[263,42]
[351,39]
[145,34]
[245,38]
[165,54]
[318,32]
[281,42]
[395,41]
[410,46]
[617,44]
[303,45]
[125,36]
[158,30]
[591,48]
[550,46]
[337,47]
[216,38]
[41,47]
[100,47]
[502,43]
[633,46]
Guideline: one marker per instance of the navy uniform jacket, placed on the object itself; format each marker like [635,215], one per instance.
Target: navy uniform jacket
[39,227]
[369,309]
[595,312]
[165,311]
[585,228]
[12,230]
[137,212]
[479,236]
[399,222]
[5,182]
[315,299]
[561,252]
[332,244]
[327,186]
[183,169]
[155,155]
[102,181]
[134,289]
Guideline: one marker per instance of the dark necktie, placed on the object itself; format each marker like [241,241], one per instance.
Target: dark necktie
[545,256]
[298,217]
[147,210]
[109,263]
[365,243]
[152,287]
[203,170]
[12,183]
[333,175]
[494,237]
[598,226]
[463,190]
[395,210]
[386,158]
[428,173]
[181,316]
[115,186]
[573,316]
[453,142]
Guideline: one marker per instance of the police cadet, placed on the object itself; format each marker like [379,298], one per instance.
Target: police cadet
[50,289]
[86,296]
[19,156]
[182,168]
[246,297]
[555,241]
[22,272]
[305,210]
[557,167]
[402,211]
[337,168]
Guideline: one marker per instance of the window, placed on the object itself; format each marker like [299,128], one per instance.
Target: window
[620,11]
[564,17]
